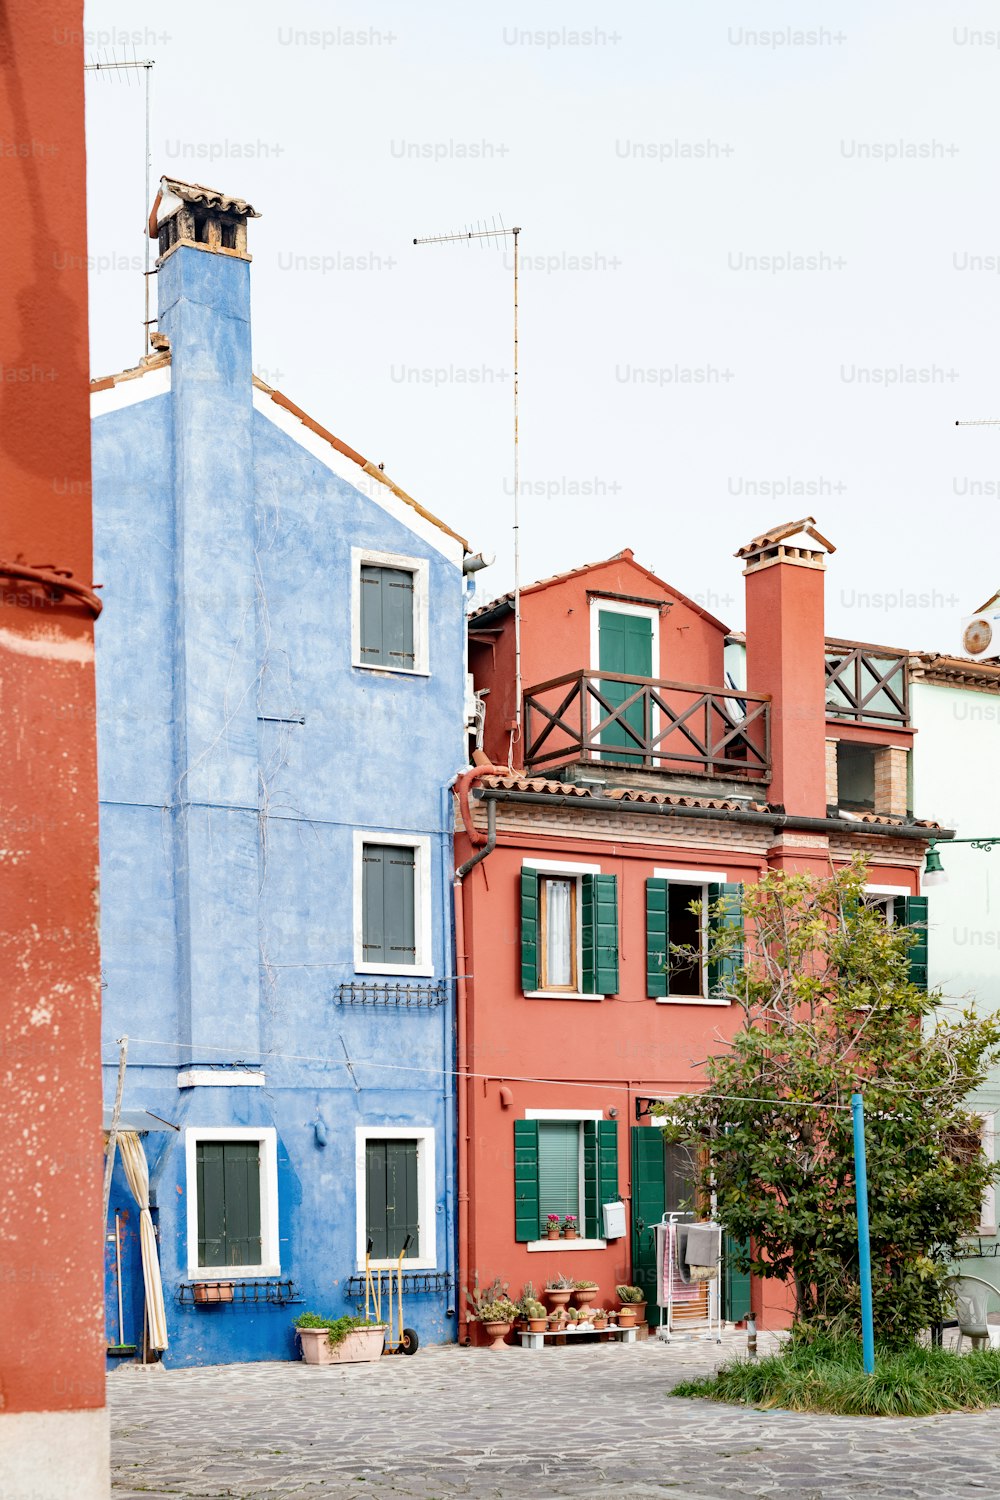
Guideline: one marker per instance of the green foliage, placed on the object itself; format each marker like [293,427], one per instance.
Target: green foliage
[630,1294]
[560,1283]
[829,1009]
[488,1296]
[585,1286]
[500,1310]
[826,1374]
[337,1328]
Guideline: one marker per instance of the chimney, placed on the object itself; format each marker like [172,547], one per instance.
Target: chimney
[786,657]
[203,296]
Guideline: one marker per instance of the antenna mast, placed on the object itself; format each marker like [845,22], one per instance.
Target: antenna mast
[497,234]
[125,67]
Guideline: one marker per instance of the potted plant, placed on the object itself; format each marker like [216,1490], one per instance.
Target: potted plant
[584,1292]
[633,1300]
[598,1317]
[569,1227]
[559,1291]
[208,1292]
[339,1341]
[552,1226]
[535,1314]
[497,1317]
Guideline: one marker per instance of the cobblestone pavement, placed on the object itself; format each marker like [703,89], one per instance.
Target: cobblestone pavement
[577,1422]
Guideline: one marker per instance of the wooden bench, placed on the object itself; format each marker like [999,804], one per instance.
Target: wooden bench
[537,1340]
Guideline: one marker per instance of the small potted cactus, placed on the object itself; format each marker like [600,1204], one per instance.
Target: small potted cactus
[633,1305]
[598,1317]
[584,1292]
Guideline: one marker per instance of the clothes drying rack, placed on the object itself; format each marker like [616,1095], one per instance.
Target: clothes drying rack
[673,1293]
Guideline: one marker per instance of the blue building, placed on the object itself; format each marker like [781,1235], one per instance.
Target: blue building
[281,688]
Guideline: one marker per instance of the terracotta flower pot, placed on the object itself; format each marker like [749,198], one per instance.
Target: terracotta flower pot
[626,1316]
[558,1295]
[497,1333]
[537,1325]
[212,1291]
[600,1322]
[569,1232]
[552,1231]
[584,1296]
[640,1311]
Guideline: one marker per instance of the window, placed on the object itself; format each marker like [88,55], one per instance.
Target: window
[392,904]
[671,922]
[396,1196]
[390,612]
[564,1163]
[569,930]
[232,1213]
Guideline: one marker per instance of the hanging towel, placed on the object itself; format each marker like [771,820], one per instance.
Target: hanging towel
[675,1285]
[701,1252]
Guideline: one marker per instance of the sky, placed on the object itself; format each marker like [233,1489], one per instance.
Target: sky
[760,268]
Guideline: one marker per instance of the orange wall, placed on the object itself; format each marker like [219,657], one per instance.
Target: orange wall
[51,1315]
[556,639]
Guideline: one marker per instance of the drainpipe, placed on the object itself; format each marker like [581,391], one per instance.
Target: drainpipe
[487,846]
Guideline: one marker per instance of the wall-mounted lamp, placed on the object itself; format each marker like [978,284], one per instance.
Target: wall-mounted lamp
[934,870]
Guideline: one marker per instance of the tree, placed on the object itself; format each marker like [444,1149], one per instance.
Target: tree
[829,1008]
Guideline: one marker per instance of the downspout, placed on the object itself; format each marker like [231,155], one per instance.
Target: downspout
[462,1036]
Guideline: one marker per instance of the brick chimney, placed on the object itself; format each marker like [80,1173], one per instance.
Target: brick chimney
[786,657]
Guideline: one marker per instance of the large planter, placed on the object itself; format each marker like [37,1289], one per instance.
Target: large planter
[584,1296]
[358,1346]
[497,1333]
[209,1292]
[558,1295]
[626,1315]
[640,1312]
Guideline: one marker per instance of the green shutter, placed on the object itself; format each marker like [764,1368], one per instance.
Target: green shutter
[657,947]
[529,931]
[386,617]
[600,934]
[648,1203]
[401,1207]
[526,1211]
[388,924]
[600,1172]
[722,972]
[373,943]
[911,911]
[376,1198]
[228,1203]
[735,1283]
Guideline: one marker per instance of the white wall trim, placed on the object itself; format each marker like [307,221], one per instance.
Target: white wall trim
[421,844]
[691,877]
[560,867]
[129,392]
[269,1246]
[564,1114]
[889,890]
[560,1245]
[427,1196]
[220,1078]
[346,469]
[420,568]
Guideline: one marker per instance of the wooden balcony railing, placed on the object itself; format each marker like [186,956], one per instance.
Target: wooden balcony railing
[867,685]
[648,724]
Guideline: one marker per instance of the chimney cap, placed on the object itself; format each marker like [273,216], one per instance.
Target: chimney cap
[174,193]
[787,533]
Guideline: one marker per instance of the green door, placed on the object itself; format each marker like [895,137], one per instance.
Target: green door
[625,644]
[648,1203]
[735,1283]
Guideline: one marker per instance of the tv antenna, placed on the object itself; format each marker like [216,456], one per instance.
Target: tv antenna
[980,422]
[497,234]
[124,68]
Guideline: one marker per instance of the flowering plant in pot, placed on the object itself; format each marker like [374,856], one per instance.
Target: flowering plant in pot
[584,1292]
[552,1226]
[496,1317]
[569,1227]
[633,1301]
[559,1291]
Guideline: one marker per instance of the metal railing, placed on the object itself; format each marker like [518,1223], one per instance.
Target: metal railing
[647,723]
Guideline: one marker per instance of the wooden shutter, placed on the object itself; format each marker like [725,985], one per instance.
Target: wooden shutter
[402,1209]
[600,934]
[648,1206]
[228,1188]
[376,1198]
[527,1219]
[388,921]
[657,942]
[600,1172]
[387,596]
[722,972]
[735,1283]
[529,931]
[911,911]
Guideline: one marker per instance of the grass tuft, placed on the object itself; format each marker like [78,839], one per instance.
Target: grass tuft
[827,1375]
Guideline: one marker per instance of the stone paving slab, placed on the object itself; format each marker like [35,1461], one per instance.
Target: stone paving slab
[577,1422]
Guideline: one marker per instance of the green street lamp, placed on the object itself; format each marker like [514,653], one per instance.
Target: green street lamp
[934,870]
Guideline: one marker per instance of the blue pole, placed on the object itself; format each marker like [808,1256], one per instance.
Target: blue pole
[864,1243]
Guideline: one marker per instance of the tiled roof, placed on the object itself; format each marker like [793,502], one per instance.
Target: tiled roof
[151,362]
[780,533]
[505,601]
[196,192]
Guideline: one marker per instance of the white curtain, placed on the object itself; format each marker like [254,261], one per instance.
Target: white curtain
[134,1162]
[559,935]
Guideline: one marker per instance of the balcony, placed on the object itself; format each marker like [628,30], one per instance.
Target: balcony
[647,724]
[867,684]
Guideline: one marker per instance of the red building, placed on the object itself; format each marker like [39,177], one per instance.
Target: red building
[641,779]
[53,1422]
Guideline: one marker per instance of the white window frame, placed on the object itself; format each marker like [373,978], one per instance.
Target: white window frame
[420,843]
[643,611]
[571,869]
[704,878]
[560,1246]
[988,1207]
[424,1135]
[420,568]
[270,1252]
[888,894]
